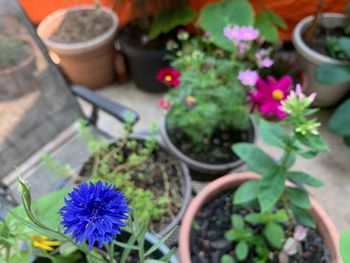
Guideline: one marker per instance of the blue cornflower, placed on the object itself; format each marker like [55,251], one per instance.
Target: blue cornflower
[95,213]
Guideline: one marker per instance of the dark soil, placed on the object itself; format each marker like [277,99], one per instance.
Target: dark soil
[152,170]
[214,150]
[135,34]
[82,25]
[208,244]
[13,51]
[318,42]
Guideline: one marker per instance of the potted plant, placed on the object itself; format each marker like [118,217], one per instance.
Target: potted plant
[261,217]
[157,185]
[143,41]
[83,39]
[98,224]
[17,66]
[209,80]
[323,39]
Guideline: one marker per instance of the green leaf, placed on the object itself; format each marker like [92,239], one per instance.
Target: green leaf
[344,42]
[274,233]
[257,160]
[276,19]
[21,257]
[167,256]
[160,242]
[254,218]
[237,222]
[167,21]
[271,188]
[345,247]
[227,259]
[267,29]
[215,16]
[291,158]
[333,74]
[304,178]
[298,197]
[246,192]
[303,217]
[340,120]
[242,250]
[314,142]
[67,248]
[273,134]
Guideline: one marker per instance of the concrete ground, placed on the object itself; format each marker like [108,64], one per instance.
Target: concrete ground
[332,167]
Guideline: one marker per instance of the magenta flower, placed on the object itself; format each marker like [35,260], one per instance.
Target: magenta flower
[262,59]
[164,104]
[269,95]
[248,77]
[241,33]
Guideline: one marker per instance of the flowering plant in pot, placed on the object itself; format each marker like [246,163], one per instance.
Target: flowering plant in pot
[83,39]
[156,185]
[206,110]
[144,39]
[262,217]
[17,62]
[322,43]
[94,224]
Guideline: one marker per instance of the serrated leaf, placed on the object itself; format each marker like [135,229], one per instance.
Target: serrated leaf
[238,12]
[303,217]
[304,178]
[274,233]
[256,159]
[345,247]
[246,192]
[242,250]
[167,21]
[267,29]
[273,134]
[298,197]
[271,189]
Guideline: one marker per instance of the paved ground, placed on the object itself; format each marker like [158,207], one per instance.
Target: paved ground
[332,167]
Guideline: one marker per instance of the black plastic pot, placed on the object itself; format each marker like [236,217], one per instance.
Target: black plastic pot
[144,65]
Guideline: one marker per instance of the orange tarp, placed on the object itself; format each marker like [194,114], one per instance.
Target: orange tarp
[292,11]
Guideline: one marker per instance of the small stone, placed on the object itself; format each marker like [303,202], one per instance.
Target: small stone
[221,244]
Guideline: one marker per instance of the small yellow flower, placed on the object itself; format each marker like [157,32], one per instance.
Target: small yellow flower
[42,242]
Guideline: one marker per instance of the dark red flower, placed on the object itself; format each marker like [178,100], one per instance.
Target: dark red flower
[169,76]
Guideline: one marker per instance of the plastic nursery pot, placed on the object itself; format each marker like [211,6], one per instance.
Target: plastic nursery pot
[16,81]
[89,63]
[143,64]
[209,171]
[185,192]
[324,224]
[309,59]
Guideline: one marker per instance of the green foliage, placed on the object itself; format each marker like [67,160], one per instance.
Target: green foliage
[166,21]
[335,47]
[13,51]
[237,12]
[333,74]
[344,247]
[340,120]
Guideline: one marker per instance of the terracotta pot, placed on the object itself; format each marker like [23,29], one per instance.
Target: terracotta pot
[324,224]
[205,169]
[89,63]
[309,59]
[17,80]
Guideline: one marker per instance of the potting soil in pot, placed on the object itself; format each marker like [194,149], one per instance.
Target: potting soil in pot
[208,243]
[82,25]
[214,150]
[159,174]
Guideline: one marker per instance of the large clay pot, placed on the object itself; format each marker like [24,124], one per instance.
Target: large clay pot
[324,224]
[309,59]
[89,63]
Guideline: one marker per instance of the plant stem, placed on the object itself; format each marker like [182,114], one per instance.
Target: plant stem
[311,32]
[289,215]
[110,249]
[7,254]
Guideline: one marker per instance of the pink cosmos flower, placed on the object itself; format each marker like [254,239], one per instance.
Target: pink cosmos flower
[269,95]
[164,104]
[248,77]
[169,76]
[262,59]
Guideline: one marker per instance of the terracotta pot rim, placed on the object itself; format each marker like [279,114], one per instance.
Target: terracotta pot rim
[308,52]
[323,222]
[85,45]
[23,63]
[198,165]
